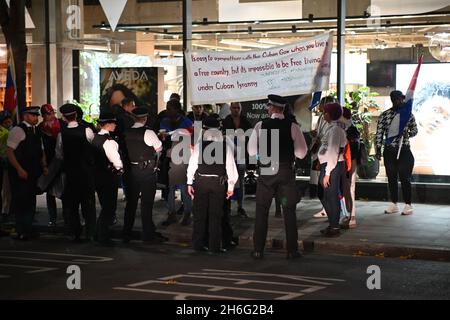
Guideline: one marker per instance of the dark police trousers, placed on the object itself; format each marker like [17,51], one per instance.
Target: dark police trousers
[330,196]
[142,182]
[283,186]
[401,168]
[23,201]
[80,190]
[106,185]
[208,209]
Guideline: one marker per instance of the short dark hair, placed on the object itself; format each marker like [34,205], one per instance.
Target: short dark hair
[175,96]
[71,117]
[174,104]
[127,101]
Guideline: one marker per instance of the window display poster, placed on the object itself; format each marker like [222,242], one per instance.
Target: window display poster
[256,110]
[431,110]
[140,84]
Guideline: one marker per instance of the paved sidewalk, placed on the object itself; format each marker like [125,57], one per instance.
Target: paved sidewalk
[423,235]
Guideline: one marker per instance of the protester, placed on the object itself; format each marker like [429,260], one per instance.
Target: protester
[319,135]
[50,127]
[403,166]
[236,121]
[349,178]
[331,160]
[174,120]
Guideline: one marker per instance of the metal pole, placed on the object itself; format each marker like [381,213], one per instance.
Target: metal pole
[47,51]
[341,52]
[187,36]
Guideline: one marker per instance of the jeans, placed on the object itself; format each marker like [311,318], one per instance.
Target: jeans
[330,196]
[185,197]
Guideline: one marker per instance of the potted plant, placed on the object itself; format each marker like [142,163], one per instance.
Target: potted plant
[363,105]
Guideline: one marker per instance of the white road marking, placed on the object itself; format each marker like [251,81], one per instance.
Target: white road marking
[38,269]
[303,284]
[238,281]
[90,258]
[40,256]
[182,295]
[42,260]
[213,288]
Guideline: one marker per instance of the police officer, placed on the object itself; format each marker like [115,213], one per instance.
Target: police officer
[141,146]
[277,177]
[108,167]
[211,165]
[26,163]
[74,148]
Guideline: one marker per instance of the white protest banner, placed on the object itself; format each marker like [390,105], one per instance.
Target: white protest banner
[225,76]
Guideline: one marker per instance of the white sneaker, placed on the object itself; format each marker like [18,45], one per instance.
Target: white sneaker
[321,214]
[393,208]
[407,210]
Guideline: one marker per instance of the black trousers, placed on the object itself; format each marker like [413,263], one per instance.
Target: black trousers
[51,207]
[208,211]
[330,196]
[227,229]
[23,201]
[281,185]
[140,182]
[80,191]
[106,185]
[401,168]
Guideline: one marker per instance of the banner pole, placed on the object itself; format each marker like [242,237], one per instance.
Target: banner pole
[400,147]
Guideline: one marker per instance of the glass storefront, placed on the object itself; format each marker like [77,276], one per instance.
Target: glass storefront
[383,42]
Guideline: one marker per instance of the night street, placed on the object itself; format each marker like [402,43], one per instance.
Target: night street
[37,270]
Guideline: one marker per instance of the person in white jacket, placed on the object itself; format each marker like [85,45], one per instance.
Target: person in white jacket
[332,168]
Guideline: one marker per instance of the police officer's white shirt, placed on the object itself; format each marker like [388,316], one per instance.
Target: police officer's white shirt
[59,154]
[112,151]
[330,151]
[150,137]
[230,165]
[300,147]
[17,135]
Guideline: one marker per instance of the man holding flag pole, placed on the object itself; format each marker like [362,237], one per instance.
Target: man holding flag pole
[395,126]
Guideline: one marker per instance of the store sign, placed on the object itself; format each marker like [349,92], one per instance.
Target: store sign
[225,76]
[139,84]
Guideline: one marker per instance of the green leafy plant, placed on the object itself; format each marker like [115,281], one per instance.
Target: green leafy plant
[87,111]
[362,105]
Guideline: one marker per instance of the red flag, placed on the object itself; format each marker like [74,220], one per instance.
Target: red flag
[10,103]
